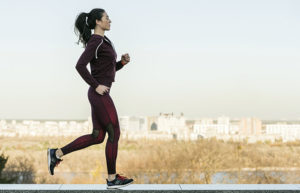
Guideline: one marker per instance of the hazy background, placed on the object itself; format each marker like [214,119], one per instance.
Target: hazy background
[202,58]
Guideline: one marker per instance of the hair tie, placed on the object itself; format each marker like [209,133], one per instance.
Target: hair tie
[86,20]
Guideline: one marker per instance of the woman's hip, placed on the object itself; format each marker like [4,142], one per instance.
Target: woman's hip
[96,98]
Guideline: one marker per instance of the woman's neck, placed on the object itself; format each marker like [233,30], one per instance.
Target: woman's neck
[99,32]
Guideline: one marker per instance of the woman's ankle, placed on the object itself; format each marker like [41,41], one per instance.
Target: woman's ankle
[111,177]
[59,153]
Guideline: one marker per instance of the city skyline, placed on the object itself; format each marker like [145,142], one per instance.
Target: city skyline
[205,59]
[165,126]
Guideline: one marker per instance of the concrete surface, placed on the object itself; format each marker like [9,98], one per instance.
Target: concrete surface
[202,188]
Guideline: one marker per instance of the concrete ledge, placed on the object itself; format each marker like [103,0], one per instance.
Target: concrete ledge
[202,188]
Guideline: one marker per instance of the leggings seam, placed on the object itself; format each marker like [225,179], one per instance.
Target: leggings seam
[106,112]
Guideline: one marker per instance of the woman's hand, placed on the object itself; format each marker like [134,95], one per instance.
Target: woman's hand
[125,59]
[101,89]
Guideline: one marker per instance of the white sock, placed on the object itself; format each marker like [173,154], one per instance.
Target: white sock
[112,179]
[56,155]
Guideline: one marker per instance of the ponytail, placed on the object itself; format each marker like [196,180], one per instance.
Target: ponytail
[85,22]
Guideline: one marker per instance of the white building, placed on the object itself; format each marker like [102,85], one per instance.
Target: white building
[206,128]
[288,132]
[169,123]
[133,123]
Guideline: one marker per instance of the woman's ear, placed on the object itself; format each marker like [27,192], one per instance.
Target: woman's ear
[99,22]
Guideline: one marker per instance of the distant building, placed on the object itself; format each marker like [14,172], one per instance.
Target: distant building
[250,126]
[133,123]
[165,126]
[287,132]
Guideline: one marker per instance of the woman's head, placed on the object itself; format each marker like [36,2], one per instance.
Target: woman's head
[96,19]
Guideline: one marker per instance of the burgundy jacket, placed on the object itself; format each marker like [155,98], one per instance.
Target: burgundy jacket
[101,55]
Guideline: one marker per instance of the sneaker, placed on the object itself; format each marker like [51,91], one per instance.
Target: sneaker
[53,161]
[118,182]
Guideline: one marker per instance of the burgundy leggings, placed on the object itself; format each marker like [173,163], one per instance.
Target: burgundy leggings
[104,119]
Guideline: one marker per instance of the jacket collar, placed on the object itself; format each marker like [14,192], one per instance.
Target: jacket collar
[106,39]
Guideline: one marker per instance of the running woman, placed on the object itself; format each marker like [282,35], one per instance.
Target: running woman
[100,53]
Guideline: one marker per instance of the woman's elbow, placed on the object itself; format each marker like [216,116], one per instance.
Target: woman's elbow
[78,66]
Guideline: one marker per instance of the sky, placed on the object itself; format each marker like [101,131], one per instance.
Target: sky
[202,58]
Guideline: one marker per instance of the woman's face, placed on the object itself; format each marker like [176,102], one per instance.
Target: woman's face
[104,23]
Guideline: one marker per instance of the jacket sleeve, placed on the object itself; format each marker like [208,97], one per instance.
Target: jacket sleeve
[84,59]
[119,65]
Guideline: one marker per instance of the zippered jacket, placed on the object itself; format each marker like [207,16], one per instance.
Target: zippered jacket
[101,55]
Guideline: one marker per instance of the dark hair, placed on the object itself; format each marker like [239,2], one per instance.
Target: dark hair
[85,22]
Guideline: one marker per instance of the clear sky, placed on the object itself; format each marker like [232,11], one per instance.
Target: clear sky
[202,58]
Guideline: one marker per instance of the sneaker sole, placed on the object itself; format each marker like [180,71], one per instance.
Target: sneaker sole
[118,186]
[49,160]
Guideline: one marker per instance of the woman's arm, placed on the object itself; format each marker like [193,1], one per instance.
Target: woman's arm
[124,60]
[119,65]
[84,59]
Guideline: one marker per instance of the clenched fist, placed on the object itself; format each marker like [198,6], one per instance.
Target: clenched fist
[125,59]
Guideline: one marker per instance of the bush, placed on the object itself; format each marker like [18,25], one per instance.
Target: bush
[3,178]
[21,170]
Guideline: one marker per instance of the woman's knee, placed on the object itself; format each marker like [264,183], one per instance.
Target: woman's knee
[113,132]
[97,136]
